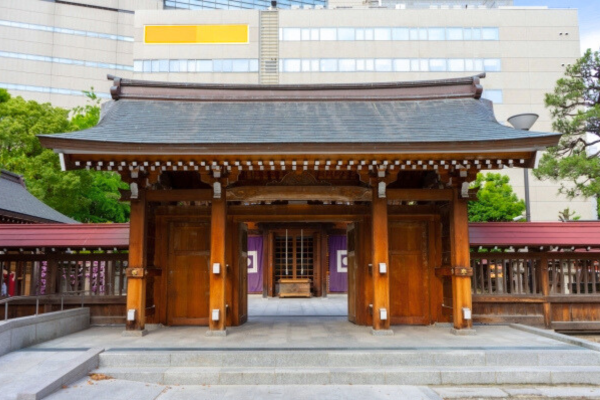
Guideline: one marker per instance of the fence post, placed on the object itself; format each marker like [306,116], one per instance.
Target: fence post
[62,301]
[545,283]
[37,305]
[6,311]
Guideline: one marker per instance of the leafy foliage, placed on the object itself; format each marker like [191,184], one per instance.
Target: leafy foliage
[496,200]
[87,196]
[568,215]
[575,109]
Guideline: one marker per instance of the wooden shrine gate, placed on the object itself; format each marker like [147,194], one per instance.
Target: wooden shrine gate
[394,160]
[180,254]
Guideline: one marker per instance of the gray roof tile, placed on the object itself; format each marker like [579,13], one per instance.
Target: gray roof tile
[179,122]
[15,199]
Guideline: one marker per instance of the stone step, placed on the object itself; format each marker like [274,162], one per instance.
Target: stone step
[359,375]
[350,358]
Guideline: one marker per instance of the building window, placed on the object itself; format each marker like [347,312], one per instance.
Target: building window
[493,95]
[185,66]
[388,33]
[389,65]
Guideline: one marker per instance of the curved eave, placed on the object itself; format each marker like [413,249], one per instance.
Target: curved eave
[76,146]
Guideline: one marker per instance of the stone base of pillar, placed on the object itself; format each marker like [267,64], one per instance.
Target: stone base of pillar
[217,333]
[135,333]
[463,332]
[382,332]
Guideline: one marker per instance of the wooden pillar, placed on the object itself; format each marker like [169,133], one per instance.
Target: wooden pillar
[218,228]
[460,261]
[545,286]
[380,251]
[136,278]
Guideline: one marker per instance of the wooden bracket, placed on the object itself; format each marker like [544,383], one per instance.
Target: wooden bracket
[135,273]
[453,271]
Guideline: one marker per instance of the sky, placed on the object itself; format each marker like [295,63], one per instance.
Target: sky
[589,18]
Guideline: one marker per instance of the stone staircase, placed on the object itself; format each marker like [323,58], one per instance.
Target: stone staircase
[357,367]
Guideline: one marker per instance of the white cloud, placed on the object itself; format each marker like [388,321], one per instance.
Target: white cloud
[590,40]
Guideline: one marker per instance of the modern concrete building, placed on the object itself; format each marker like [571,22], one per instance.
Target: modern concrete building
[51,51]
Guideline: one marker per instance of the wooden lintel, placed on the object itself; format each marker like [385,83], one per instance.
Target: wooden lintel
[420,194]
[179,195]
[323,193]
[299,209]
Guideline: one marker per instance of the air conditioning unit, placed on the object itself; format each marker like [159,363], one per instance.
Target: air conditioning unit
[295,7]
[319,7]
[400,6]
[307,7]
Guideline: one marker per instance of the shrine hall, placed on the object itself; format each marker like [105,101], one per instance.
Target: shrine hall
[372,176]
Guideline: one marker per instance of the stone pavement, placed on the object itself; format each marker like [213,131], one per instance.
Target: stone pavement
[307,327]
[20,369]
[126,390]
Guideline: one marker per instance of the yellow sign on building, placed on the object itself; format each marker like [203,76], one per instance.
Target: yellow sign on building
[195,34]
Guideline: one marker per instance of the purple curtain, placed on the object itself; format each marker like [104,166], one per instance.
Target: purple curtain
[338,264]
[255,275]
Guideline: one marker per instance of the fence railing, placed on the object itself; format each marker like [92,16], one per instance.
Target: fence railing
[96,274]
[528,273]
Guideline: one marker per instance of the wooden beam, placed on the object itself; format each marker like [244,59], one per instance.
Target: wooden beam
[380,249]
[218,227]
[420,194]
[323,193]
[179,195]
[136,286]
[299,212]
[459,242]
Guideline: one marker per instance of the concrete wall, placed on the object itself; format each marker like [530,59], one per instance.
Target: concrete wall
[62,82]
[22,332]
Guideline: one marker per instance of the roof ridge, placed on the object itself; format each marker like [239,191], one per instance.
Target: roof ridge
[465,87]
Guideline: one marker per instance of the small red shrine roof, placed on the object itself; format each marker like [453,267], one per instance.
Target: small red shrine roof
[502,234]
[89,236]
[562,234]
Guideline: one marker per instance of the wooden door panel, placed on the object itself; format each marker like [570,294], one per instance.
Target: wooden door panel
[243,263]
[409,277]
[188,279]
[352,267]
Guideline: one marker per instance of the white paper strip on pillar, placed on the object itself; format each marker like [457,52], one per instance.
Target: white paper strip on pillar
[216,267]
[383,314]
[134,190]
[381,190]
[217,190]
[464,192]
[216,314]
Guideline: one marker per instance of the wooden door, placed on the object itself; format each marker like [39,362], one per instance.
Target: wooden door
[352,271]
[242,254]
[188,286]
[409,275]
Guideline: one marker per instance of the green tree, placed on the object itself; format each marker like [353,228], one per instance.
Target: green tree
[575,109]
[496,200]
[87,196]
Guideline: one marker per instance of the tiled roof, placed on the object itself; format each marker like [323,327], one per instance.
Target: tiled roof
[297,122]
[578,234]
[90,236]
[17,203]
